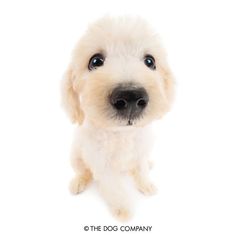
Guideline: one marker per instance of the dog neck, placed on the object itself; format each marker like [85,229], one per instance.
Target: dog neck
[114,129]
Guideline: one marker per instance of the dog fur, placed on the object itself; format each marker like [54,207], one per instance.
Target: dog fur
[105,147]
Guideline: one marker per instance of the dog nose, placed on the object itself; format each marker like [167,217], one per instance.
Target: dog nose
[129,101]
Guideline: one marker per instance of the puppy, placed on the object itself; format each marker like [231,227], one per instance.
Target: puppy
[117,84]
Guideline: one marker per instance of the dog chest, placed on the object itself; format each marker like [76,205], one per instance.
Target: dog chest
[119,149]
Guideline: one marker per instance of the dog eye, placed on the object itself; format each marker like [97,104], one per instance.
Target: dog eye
[96,61]
[149,61]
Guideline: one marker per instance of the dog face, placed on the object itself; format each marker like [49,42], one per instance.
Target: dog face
[118,75]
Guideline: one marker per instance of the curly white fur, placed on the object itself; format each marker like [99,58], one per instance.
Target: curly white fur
[105,149]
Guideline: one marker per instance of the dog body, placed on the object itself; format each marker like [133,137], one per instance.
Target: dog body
[117,83]
[118,149]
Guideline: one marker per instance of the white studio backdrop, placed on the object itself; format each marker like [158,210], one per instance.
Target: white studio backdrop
[195,156]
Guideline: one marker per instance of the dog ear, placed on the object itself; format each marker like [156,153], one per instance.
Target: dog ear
[169,84]
[169,88]
[70,97]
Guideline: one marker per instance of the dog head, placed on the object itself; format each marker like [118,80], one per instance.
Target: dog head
[118,75]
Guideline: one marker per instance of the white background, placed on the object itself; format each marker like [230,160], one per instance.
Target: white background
[195,156]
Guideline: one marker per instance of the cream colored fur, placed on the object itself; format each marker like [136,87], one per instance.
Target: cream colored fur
[105,149]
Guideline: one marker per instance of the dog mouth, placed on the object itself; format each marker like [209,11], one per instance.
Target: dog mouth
[130,122]
[130,118]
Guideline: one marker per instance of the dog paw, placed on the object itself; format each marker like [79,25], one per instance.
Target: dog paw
[122,214]
[147,188]
[77,186]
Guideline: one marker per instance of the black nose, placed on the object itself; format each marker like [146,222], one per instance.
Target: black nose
[129,102]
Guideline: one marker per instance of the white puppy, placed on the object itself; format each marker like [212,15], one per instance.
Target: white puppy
[117,83]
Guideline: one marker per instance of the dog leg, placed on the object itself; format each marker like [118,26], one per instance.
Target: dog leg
[79,183]
[113,190]
[83,176]
[141,179]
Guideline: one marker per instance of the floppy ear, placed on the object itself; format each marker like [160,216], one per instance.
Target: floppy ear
[169,87]
[70,98]
[169,84]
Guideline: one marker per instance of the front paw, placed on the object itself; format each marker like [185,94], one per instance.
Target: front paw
[121,213]
[147,188]
[77,185]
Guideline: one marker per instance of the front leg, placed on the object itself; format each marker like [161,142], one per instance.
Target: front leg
[112,187]
[83,175]
[80,181]
[141,178]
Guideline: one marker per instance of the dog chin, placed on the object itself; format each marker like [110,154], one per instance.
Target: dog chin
[130,123]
